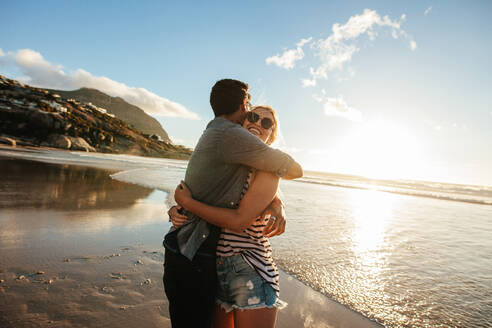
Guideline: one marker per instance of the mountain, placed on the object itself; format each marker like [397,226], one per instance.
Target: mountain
[129,113]
[36,117]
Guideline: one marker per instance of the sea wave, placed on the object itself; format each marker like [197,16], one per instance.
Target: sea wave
[165,179]
[467,194]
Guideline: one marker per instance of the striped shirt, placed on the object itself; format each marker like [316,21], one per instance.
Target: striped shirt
[252,246]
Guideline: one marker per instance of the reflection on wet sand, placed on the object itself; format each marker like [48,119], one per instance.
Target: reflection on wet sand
[27,184]
[44,204]
[79,249]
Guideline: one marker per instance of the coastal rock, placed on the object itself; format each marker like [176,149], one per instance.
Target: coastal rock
[8,141]
[41,120]
[36,117]
[117,107]
[79,143]
[60,141]
[66,126]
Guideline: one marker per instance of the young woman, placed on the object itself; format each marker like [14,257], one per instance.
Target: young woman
[248,290]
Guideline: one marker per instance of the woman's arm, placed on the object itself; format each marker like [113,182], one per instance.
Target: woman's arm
[259,195]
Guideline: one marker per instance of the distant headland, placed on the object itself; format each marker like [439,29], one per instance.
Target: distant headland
[83,119]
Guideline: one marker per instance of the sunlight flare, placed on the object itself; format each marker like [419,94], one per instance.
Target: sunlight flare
[380,149]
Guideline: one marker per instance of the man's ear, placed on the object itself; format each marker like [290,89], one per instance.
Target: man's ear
[243,105]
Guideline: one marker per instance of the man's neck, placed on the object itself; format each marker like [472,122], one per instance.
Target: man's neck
[234,117]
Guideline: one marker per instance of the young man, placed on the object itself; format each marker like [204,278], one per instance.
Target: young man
[217,171]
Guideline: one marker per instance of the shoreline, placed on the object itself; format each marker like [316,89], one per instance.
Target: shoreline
[380,188]
[124,280]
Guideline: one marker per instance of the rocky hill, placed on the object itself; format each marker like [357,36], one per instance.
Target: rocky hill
[133,115]
[32,116]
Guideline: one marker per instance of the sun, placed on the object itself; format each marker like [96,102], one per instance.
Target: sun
[380,149]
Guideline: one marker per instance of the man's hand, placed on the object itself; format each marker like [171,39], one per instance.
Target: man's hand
[276,223]
[182,194]
[175,217]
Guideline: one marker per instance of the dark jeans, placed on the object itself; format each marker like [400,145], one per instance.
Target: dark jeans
[190,289]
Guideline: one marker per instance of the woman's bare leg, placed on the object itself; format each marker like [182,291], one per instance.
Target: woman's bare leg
[222,319]
[258,318]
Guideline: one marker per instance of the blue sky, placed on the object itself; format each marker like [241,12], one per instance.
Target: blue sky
[401,88]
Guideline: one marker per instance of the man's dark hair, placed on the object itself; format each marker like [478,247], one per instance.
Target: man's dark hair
[227,95]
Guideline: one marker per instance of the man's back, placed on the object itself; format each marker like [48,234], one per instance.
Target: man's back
[211,179]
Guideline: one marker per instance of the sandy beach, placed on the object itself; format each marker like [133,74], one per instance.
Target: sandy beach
[79,249]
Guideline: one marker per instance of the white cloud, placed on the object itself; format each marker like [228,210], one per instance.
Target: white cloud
[308,83]
[185,142]
[413,45]
[427,11]
[39,72]
[335,50]
[288,59]
[304,42]
[360,24]
[3,58]
[340,46]
[338,107]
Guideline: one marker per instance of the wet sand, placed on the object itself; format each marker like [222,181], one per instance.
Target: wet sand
[78,249]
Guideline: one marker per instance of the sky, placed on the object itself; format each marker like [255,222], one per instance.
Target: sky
[384,89]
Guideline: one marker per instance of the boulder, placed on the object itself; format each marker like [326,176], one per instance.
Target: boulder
[59,141]
[8,141]
[79,143]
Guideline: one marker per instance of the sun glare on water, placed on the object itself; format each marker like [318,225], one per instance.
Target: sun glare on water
[372,215]
[372,211]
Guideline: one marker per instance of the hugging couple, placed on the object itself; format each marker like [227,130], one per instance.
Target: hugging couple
[218,269]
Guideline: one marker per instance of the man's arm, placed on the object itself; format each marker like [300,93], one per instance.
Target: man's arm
[241,147]
[294,172]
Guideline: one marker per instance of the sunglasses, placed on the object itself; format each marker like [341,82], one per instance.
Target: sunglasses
[266,122]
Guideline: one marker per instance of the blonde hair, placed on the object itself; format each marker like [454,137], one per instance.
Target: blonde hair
[273,135]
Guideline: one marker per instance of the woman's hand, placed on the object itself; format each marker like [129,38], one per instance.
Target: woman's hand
[176,217]
[275,213]
[182,194]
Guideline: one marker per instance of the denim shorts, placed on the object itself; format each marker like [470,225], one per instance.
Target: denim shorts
[241,287]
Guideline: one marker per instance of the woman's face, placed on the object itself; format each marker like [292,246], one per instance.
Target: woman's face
[256,128]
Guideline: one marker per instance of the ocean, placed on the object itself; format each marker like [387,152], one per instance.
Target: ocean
[403,253]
